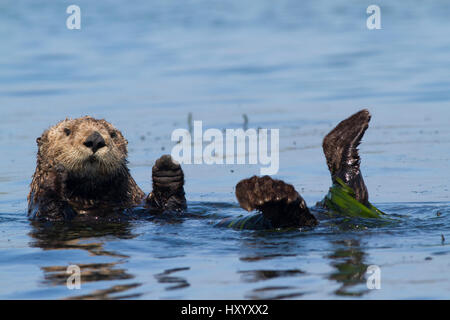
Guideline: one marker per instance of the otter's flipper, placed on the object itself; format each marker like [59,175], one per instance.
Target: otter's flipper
[341,151]
[278,201]
[168,182]
[47,201]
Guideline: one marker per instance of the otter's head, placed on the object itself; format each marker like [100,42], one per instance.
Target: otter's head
[85,147]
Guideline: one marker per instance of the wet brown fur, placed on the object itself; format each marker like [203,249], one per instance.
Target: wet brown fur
[341,151]
[276,200]
[280,202]
[168,181]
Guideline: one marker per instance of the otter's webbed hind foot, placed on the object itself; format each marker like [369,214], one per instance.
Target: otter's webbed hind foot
[341,151]
[168,182]
[278,201]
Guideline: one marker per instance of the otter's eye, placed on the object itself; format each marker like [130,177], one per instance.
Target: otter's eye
[113,134]
[67,131]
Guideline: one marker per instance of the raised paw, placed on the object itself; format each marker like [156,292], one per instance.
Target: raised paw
[168,182]
[276,200]
[166,173]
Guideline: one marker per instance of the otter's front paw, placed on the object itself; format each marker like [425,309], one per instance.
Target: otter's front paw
[276,200]
[168,182]
[49,202]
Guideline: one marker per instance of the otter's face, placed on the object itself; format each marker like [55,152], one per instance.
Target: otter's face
[86,147]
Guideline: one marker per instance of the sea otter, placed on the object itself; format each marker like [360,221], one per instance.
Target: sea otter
[281,206]
[82,170]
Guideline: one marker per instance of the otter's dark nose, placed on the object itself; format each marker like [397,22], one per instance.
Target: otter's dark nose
[95,141]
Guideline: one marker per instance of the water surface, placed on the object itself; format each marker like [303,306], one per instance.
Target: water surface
[299,66]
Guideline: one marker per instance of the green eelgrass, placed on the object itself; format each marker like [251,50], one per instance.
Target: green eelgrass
[341,200]
[251,222]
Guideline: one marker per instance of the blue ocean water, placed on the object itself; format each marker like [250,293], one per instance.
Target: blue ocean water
[297,66]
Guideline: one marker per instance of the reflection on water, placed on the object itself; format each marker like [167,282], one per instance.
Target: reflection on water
[78,235]
[271,292]
[270,280]
[153,258]
[348,259]
[111,293]
[56,275]
[265,257]
[85,236]
[261,275]
[275,292]
[176,282]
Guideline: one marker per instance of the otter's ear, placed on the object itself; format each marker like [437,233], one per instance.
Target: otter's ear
[42,139]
